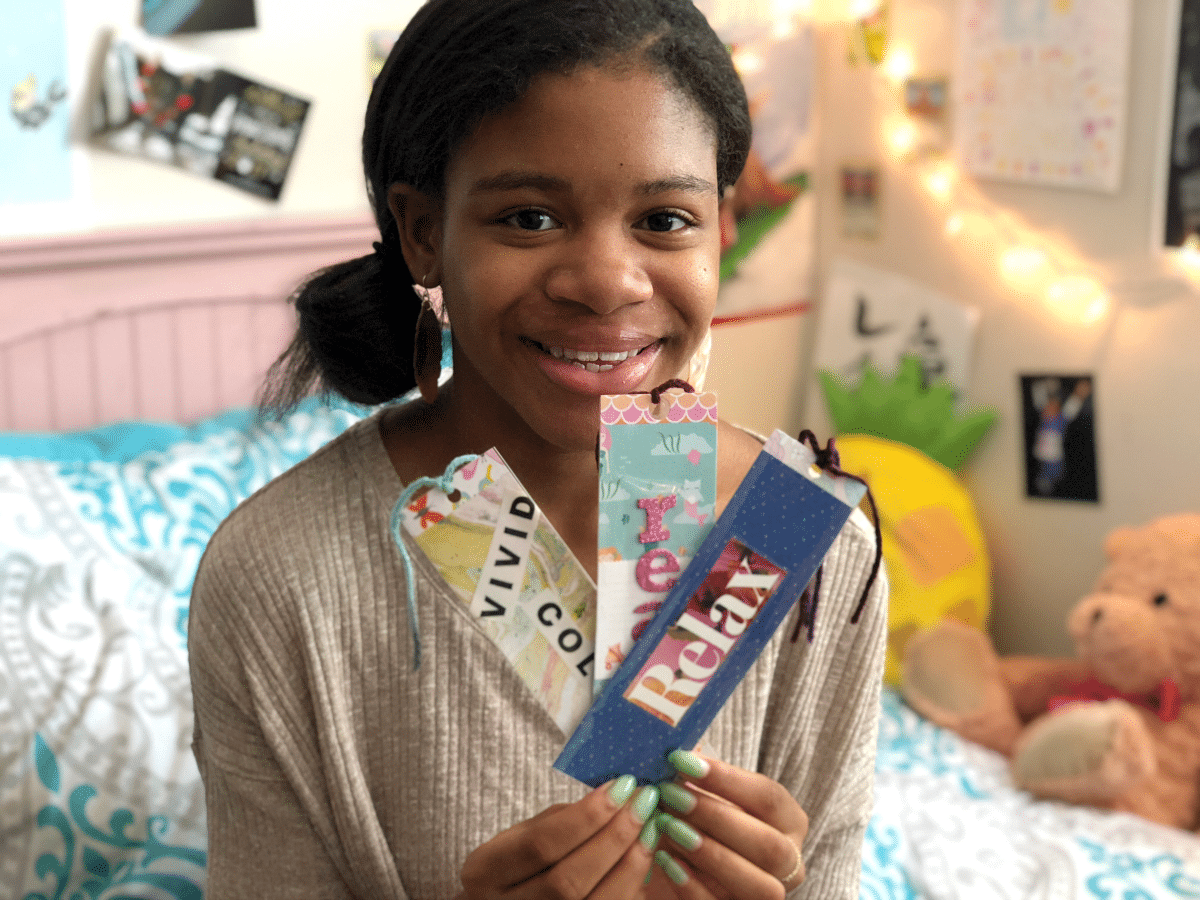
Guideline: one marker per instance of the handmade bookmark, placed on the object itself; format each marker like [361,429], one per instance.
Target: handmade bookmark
[504,560]
[744,579]
[658,488]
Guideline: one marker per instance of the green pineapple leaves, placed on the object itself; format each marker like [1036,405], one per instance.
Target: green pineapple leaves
[908,412]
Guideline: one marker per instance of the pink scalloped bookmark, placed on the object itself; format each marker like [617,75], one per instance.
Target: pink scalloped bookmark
[658,488]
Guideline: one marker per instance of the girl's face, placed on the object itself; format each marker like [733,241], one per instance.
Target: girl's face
[578,250]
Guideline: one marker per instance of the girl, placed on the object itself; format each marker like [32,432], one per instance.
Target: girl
[557,168]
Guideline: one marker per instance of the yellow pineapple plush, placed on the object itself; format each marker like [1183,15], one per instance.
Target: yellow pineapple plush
[906,441]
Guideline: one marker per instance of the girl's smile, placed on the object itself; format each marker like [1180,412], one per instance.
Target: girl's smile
[577,245]
[597,371]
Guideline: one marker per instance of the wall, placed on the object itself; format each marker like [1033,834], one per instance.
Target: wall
[1045,553]
[300,46]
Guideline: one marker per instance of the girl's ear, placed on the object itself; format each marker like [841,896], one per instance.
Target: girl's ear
[419,221]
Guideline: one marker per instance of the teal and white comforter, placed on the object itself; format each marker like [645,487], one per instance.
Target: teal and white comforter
[100,534]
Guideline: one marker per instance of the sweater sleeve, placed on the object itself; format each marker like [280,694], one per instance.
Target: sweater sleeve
[278,722]
[823,717]
[262,842]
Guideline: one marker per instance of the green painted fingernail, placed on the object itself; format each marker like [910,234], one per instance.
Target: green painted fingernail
[673,870]
[649,836]
[678,798]
[646,802]
[622,789]
[688,763]
[679,831]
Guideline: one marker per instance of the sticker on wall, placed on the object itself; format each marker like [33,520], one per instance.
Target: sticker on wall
[926,100]
[1060,437]
[160,102]
[33,130]
[860,201]
[186,16]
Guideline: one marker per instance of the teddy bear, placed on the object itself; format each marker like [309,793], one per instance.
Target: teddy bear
[1117,726]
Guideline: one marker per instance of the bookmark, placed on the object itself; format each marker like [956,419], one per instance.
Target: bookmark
[750,570]
[658,488]
[517,577]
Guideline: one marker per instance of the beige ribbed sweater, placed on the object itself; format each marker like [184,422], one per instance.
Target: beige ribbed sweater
[333,770]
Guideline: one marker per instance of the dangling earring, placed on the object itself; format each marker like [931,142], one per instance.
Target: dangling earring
[427,347]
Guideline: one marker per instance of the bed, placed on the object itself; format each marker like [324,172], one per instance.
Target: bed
[126,435]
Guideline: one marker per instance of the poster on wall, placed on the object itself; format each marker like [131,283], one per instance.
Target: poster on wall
[1182,222]
[163,17]
[1060,437]
[768,230]
[160,102]
[1041,90]
[34,129]
[869,317]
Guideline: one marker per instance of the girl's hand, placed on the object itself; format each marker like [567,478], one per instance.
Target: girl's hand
[727,833]
[587,849]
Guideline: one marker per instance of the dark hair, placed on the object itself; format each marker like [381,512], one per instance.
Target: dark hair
[457,62]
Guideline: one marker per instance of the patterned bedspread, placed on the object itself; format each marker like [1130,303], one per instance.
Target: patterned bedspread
[100,534]
[949,825]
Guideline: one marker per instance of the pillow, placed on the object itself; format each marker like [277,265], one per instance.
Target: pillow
[99,541]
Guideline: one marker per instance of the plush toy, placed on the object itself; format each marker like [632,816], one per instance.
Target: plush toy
[1117,727]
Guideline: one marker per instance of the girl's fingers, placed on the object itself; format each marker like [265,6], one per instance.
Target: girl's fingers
[684,882]
[735,826]
[534,846]
[763,798]
[768,848]
[612,863]
[731,872]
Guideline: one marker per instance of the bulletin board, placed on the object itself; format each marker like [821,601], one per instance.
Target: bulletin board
[1041,90]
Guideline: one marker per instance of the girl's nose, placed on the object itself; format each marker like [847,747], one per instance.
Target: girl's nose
[602,270]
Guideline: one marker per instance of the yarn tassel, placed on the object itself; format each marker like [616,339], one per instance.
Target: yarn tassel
[445,485]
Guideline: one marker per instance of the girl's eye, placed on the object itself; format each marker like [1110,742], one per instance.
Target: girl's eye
[665,221]
[530,220]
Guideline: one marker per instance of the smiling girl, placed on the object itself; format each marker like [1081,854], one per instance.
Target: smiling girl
[557,168]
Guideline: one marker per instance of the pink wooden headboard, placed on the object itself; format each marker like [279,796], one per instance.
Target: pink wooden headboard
[162,323]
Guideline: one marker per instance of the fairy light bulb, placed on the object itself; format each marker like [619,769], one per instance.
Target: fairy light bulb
[783,28]
[861,9]
[1077,299]
[747,62]
[1187,257]
[939,182]
[787,8]
[901,137]
[899,65]
[829,11]
[1024,267]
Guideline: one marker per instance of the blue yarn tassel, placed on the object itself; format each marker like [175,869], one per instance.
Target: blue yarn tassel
[445,485]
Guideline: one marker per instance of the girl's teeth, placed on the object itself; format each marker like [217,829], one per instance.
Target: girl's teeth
[592,360]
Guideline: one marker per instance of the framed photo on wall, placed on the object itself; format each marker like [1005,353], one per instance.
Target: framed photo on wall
[1060,437]
[1181,222]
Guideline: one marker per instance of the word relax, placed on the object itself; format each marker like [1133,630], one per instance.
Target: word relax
[676,672]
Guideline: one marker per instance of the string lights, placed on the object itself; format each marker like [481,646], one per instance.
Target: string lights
[1026,261]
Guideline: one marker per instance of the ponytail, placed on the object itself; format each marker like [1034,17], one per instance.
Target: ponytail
[354,337]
